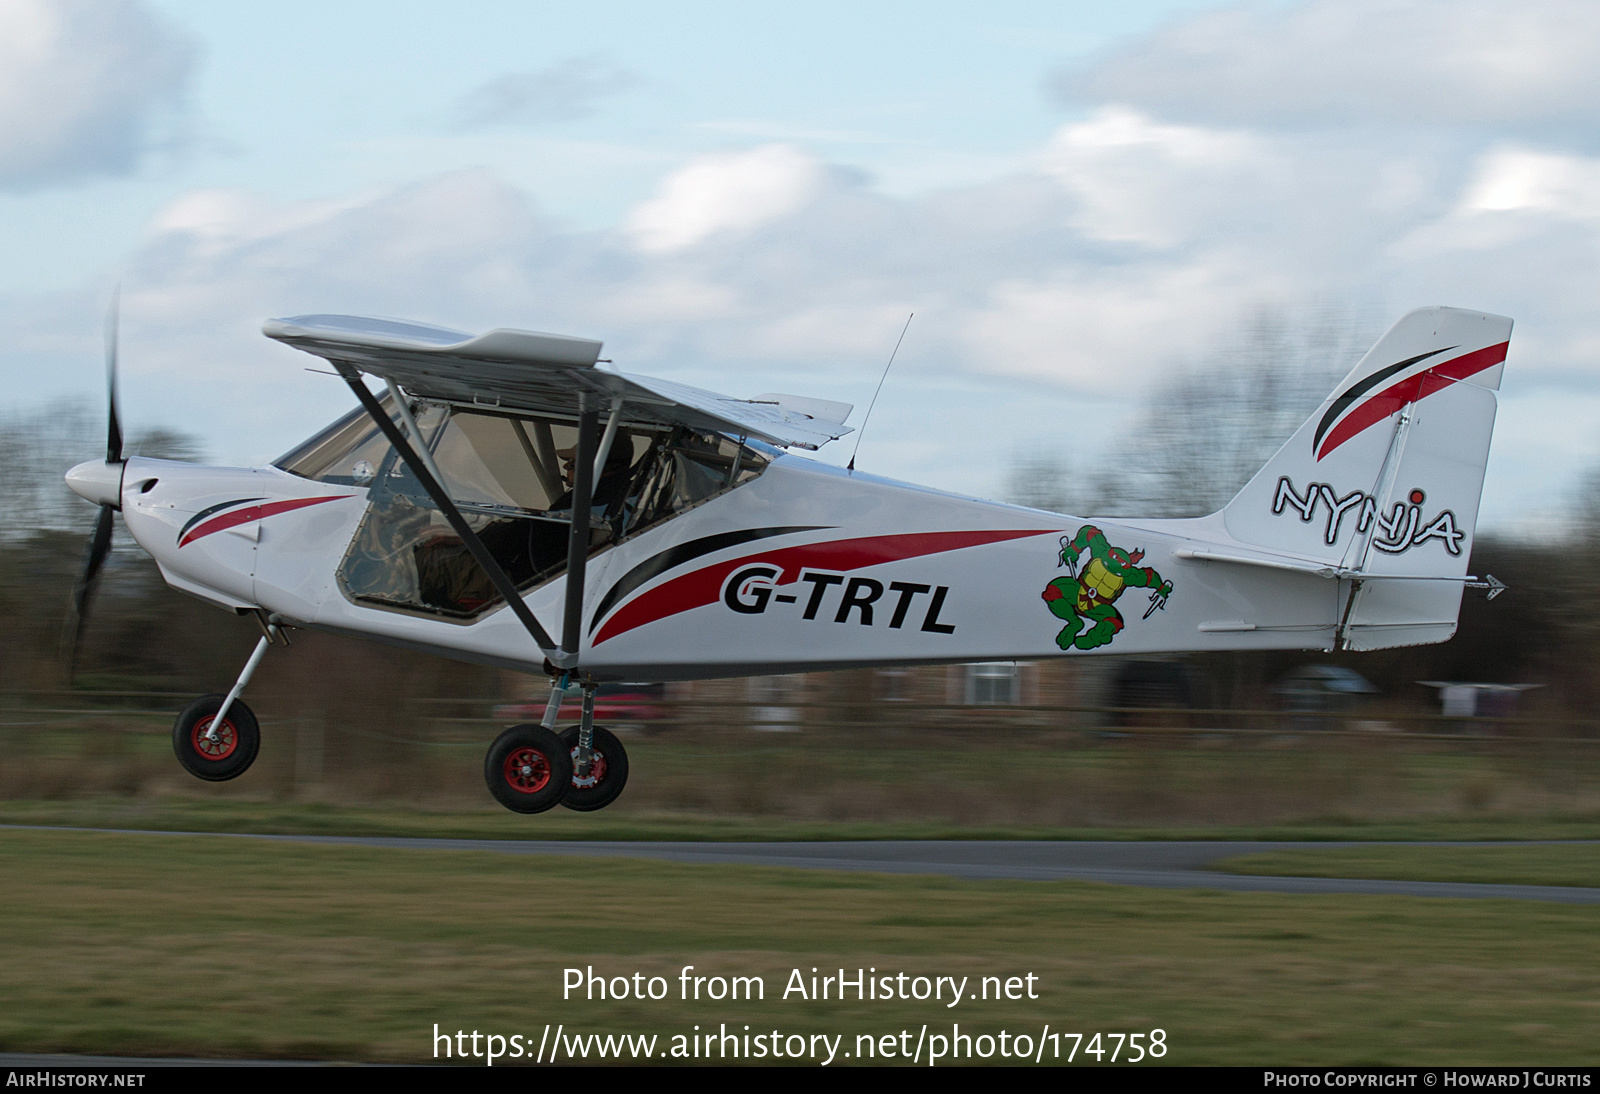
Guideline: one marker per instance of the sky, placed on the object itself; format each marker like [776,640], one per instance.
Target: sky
[1077,201]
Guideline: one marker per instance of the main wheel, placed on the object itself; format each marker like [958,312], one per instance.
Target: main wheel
[225,754]
[608,772]
[528,769]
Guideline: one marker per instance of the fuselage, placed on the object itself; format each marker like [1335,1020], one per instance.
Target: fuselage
[806,567]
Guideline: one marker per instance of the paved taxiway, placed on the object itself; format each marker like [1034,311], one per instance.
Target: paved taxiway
[1161,864]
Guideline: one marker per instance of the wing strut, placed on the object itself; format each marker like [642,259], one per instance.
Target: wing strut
[503,584]
[578,542]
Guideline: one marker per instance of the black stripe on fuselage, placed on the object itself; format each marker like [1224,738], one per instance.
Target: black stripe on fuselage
[1342,403]
[659,564]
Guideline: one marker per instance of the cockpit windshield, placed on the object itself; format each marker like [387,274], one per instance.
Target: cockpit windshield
[344,453]
[511,477]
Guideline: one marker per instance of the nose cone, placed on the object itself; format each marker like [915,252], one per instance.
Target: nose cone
[99,481]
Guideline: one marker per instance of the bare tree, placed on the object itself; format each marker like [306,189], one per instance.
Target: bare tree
[1200,435]
[39,445]
[1040,480]
[167,444]
[1208,429]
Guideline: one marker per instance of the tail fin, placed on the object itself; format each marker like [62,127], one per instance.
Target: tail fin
[1384,480]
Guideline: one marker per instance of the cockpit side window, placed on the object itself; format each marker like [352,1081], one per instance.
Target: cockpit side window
[684,469]
[512,480]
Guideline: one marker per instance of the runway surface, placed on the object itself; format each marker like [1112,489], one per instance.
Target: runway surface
[1160,864]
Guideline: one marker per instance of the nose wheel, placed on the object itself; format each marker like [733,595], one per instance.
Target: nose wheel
[216,737]
[211,750]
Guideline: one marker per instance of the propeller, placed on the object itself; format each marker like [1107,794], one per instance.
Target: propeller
[83,479]
[113,423]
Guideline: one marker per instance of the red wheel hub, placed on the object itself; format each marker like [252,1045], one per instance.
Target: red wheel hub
[597,769]
[527,771]
[219,747]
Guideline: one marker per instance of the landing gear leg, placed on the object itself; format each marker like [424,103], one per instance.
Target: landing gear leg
[583,758]
[599,762]
[552,709]
[216,737]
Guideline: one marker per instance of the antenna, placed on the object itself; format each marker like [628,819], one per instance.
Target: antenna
[851,466]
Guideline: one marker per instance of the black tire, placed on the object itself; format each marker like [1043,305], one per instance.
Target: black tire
[227,755]
[528,770]
[606,778]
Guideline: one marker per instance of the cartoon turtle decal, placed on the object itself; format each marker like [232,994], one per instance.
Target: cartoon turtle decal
[1086,598]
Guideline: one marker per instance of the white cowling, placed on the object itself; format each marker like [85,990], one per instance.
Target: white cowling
[99,481]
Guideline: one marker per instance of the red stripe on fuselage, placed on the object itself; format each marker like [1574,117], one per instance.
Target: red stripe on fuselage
[1413,389]
[703,586]
[250,513]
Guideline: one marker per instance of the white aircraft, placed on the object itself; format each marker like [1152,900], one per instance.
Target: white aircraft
[503,490]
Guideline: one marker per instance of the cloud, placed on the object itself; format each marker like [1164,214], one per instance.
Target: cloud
[1134,245]
[725,192]
[87,87]
[1048,300]
[567,91]
[1524,227]
[219,261]
[1453,62]
[1530,181]
[1141,181]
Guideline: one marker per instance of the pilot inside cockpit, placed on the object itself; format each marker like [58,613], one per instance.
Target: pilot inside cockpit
[610,489]
[547,541]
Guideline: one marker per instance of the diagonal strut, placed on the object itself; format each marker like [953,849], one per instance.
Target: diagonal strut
[497,576]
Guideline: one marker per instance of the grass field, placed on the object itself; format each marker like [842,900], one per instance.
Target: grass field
[161,945]
[117,770]
[1524,865]
[184,945]
[214,812]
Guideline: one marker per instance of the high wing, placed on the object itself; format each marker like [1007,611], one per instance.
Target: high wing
[545,374]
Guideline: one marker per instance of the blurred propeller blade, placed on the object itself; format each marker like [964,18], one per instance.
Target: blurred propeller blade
[100,542]
[114,423]
[83,593]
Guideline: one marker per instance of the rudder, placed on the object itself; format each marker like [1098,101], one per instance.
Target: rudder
[1384,480]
